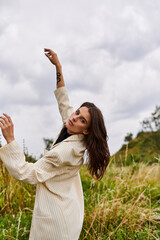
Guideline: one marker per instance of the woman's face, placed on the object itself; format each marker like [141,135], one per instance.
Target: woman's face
[79,121]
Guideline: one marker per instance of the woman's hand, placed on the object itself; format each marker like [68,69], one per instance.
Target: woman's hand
[52,56]
[7,127]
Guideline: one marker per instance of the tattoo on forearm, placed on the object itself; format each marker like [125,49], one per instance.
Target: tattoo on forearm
[58,77]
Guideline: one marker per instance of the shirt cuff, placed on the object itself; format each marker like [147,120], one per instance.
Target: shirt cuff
[60,91]
[11,145]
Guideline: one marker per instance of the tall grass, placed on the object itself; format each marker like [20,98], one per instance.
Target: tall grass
[125,204]
[16,204]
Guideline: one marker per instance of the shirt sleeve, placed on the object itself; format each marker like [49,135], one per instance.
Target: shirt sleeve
[63,103]
[45,168]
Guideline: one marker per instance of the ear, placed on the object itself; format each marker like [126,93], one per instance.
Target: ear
[85,132]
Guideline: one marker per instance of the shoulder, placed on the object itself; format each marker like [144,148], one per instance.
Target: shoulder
[69,151]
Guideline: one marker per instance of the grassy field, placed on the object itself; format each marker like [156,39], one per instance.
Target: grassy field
[125,204]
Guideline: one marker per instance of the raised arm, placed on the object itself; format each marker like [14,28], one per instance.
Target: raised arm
[52,56]
[61,93]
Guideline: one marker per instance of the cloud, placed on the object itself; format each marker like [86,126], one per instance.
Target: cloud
[110,53]
[130,30]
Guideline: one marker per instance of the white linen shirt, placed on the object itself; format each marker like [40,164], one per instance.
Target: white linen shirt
[59,205]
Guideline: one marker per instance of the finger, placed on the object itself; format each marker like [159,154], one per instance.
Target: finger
[48,55]
[47,49]
[2,123]
[8,117]
[4,120]
[47,52]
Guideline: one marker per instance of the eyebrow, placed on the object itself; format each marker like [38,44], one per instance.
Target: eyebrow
[82,116]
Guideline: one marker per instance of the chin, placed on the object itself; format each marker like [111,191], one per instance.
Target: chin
[68,128]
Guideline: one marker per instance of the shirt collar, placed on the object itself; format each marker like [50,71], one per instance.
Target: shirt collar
[72,138]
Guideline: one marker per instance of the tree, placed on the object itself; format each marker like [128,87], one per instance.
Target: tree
[128,137]
[156,118]
[48,143]
[30,158]
[147,125]
[152,123]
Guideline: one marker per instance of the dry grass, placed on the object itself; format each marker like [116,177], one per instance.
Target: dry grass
[124,205]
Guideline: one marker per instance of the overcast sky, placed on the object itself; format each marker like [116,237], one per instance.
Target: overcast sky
[110,54]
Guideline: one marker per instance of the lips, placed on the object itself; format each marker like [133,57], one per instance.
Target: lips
[70,122]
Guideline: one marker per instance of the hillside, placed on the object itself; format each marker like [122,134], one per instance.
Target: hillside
[144,148]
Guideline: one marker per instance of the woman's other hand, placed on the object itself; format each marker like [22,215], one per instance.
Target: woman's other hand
[52,56]
[7,127]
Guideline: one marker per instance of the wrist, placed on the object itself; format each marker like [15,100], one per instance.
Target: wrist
[58,67]
[10,140]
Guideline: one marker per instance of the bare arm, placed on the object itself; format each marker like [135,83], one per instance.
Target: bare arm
[52,56]
[61,94]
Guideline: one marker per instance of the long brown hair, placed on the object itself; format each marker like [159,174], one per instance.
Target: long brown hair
[96,142]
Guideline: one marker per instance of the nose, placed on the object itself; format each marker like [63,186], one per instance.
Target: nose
[75,118]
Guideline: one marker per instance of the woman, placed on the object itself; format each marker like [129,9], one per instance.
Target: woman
[59,205]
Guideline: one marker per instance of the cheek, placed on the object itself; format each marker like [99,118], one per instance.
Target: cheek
[82,127]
